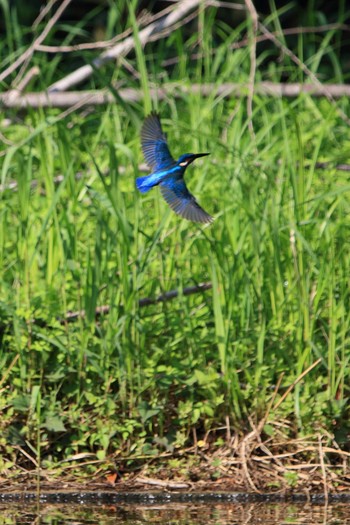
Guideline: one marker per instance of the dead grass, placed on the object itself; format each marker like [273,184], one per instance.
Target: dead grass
[309,465]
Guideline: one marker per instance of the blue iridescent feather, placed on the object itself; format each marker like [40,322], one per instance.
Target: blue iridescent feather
[154,144]
[168,173]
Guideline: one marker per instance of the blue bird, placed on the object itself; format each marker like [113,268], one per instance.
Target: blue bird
[168,173]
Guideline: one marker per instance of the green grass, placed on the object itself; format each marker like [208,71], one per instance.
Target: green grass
[277,256]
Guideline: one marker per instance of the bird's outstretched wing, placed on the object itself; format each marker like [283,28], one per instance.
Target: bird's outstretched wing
[154,144]
[181,201]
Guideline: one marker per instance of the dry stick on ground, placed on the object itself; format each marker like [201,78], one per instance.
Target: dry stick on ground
[84,72]
[33,72]
[76,100]
[298,379]
[174,485]
[6,373]
[103,44]
[146,301]
[245,447]
[304,68]
[16,92]
[323,468]
[167,296]
[226,5]
[256,433]
[60,117]
[28,53]
[43,12]
[245,450]
[261,38]
[230,89]
[254,17]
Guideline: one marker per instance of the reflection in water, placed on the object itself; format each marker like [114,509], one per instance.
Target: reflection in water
[176,514]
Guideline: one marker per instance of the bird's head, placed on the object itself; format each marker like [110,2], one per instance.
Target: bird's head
[188,158]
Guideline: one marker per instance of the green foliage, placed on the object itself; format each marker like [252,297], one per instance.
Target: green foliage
[291,478]
[137,381]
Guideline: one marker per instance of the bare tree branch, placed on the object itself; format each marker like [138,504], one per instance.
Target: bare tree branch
[174,60]
[146,301]
[167,296]
[253,36]
[12,99]
[103,44]
[262,38]
[84,72]
[295,382]
[304,68]
[28,53]
[43,12]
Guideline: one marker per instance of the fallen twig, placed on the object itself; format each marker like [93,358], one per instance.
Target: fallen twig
[304,68]
[28,53]
[12,99]
[122,48]
[146,301]
[297,380]
[254,16]
[262,38]
[323,468]
[45,9]
[339,167]
[161,483]
[194,56]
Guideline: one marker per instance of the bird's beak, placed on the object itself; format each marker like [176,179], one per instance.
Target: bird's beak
[196,155]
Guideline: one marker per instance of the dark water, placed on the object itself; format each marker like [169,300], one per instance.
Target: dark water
[226,513]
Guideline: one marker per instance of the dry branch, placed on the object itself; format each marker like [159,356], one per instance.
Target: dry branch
[194,56]
[303,68]
[123,48]
[171,485]
[167,296]
[12,99]
[254,16]
[146,301]
[29,52]
[297,380]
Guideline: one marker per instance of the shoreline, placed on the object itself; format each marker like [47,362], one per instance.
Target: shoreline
[108,496]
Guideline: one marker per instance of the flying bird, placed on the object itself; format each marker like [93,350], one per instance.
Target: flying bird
[168,173]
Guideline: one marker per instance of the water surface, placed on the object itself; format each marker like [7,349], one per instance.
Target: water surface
[225,513]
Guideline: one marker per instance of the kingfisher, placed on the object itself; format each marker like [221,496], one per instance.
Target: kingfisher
[168,173]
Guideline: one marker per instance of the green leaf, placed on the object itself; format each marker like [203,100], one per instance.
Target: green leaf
[54,424]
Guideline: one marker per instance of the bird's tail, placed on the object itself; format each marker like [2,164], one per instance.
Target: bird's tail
[143,185]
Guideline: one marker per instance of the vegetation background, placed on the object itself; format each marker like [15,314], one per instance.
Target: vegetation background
[263,349]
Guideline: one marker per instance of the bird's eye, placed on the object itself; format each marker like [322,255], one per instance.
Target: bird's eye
[184,163]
